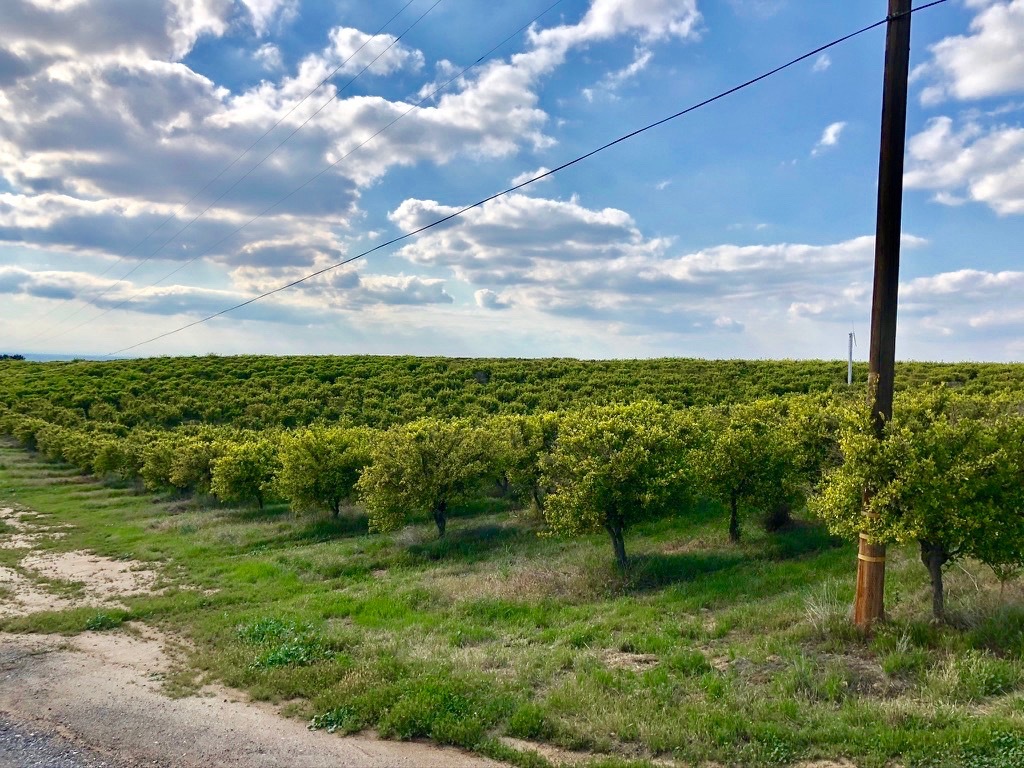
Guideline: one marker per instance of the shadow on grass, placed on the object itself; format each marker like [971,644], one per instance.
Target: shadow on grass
[654,571]
[798,539]
[254,514]
[469,544]
[482,507]
[316,531]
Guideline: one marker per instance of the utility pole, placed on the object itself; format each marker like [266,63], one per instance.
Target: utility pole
[869,605]
[849,362]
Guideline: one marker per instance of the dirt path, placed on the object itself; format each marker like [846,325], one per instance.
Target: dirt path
[102,690]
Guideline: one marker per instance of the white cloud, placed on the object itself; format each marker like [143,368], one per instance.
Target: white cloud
[605,19]
[73,166]
[611,82]
[829,138]
[984,165]
[488,299]
[822,63]
[524,177]
[383,54]
[987,62]
[269,55]
[560,258]
[264,12]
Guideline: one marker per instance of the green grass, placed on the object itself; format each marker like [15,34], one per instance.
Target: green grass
[703,651]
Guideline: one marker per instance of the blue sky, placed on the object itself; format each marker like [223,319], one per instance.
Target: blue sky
[742,230]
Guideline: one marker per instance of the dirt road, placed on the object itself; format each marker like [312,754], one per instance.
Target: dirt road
[95,699]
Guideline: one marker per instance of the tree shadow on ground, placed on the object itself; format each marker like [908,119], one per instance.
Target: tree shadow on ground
[798,539]
[467,544]
[318,530]
[649,572]
[253,514]
[482,507]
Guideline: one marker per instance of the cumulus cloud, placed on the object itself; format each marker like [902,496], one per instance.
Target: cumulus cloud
[488,299]
[829,138]
[561,258]
[987,62]
[73,168]
[969,163]
[80,177]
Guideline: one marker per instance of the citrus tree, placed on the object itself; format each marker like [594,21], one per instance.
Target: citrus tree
[320,465]
[519,447]
[193,459]
[246,470]
[748,460]
[612,466]
[939,477]
[421,469]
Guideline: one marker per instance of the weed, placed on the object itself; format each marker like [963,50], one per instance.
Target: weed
[296,653]
[972,676]
[101,621]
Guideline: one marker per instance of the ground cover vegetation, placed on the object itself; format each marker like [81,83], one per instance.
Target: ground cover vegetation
[713,628]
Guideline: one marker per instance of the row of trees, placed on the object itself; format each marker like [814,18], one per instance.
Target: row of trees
[948,474]
[288,392]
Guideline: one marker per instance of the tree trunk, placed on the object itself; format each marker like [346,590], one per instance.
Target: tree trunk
[734,519]
[538,499]
[614,529]
[441,518]
[934,556]
[336,508]
[259,500]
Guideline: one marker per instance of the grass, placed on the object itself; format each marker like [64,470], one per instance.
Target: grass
[704,651]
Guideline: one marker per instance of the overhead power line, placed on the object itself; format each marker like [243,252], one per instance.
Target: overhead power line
[495,196]
[229,166]
[309,181]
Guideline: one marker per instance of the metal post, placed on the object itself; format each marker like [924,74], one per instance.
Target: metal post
[849,363]
[869,605]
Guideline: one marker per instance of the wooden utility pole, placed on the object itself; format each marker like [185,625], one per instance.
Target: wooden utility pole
[869,605]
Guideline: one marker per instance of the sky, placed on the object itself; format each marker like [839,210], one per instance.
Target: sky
[162,160]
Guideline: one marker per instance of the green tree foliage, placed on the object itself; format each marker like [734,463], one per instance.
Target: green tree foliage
[157,460]
[192,461]
[613,466]
[520,445]
[748,460]
[246,470]
[941,476]
[320,465]
[421,469]
[121,457]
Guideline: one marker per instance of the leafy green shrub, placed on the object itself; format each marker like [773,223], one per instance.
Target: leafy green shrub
[748,460]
